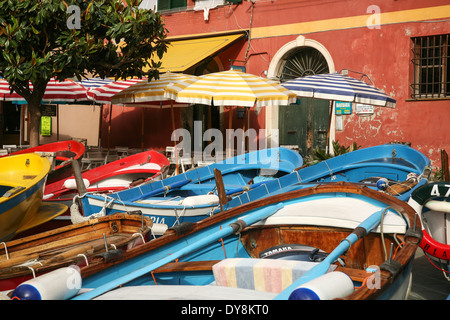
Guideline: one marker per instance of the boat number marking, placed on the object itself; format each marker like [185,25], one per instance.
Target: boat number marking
[435,191]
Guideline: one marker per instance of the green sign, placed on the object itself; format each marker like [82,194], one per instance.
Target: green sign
[46,126]
[343,107]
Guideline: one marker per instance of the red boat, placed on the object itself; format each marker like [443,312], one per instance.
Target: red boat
[64,152]
[111,177]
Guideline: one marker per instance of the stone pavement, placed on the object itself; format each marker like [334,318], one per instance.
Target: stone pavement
[428,283]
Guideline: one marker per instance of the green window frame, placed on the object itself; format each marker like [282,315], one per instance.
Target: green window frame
[171,4]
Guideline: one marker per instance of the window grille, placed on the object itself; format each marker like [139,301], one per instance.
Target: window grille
[304,62]
[430,67]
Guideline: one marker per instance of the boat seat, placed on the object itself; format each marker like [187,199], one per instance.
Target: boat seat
[337,211]
[268,275]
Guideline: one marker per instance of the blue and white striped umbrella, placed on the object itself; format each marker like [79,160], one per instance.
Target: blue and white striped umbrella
[95,82]
[338,87]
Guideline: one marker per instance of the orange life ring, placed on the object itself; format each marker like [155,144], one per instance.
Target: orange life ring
[418,199]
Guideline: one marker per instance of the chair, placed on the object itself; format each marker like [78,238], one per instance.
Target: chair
[112,155]
[183,161]
[92,160]
[122,152]
[10,147]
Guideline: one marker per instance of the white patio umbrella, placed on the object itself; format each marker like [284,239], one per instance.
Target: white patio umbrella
[232,88]
[92,83]
[104,93]
[150,94]
[338,87]
[101,90]
[57,91]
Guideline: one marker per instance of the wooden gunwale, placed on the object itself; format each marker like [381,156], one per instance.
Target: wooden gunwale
[60,247]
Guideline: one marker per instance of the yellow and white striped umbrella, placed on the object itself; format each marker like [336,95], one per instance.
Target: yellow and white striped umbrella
[231,88]
[146,93]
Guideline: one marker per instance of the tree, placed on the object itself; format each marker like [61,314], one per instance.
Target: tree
[42,39]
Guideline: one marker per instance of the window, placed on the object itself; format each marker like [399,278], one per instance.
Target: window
[149,5]
[171,4]
[160,5]
[305,61]
[430,67]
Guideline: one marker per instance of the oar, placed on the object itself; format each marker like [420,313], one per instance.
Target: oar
[251,218]
[360,231]
[246,188]
[161,190]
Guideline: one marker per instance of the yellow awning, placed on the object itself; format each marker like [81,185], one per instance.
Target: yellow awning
[183,54]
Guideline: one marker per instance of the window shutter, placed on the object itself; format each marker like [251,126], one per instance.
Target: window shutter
[171,4]
[163,5]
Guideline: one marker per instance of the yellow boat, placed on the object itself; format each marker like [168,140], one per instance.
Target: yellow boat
[22,181]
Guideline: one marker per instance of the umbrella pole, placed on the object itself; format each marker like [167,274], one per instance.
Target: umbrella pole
[100,127]
[329,127]
[142,129]
[175,140]
[245,127]
[57,122]
[109,125]
[230,120]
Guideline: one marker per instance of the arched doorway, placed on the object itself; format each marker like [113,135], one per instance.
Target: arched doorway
[307,122]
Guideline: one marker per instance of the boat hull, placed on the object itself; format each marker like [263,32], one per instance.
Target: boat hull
[113,176]
[165,207]
[27,175]
[64,151]
[47,251]
[189,258]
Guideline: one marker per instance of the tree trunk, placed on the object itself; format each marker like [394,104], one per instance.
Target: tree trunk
[35,118]
[33,98]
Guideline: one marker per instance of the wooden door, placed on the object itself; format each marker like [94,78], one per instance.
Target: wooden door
[305,124]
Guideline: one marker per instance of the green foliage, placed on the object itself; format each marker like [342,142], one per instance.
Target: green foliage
[320,154]
[37,43]
[113,40]
[438,174]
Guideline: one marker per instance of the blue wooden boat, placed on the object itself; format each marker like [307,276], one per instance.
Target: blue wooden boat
[191,196]
[395,169]
[253,252]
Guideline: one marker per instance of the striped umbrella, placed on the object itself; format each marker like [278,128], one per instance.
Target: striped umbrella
[92,83]
[338,87]
[151,94]
[103,94]
[231,88]
[57,91]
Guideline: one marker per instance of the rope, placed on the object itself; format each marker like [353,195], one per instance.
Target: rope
[139,234]
[329,169]
[6,250]
[85,258]
[32,270]
[441,269]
